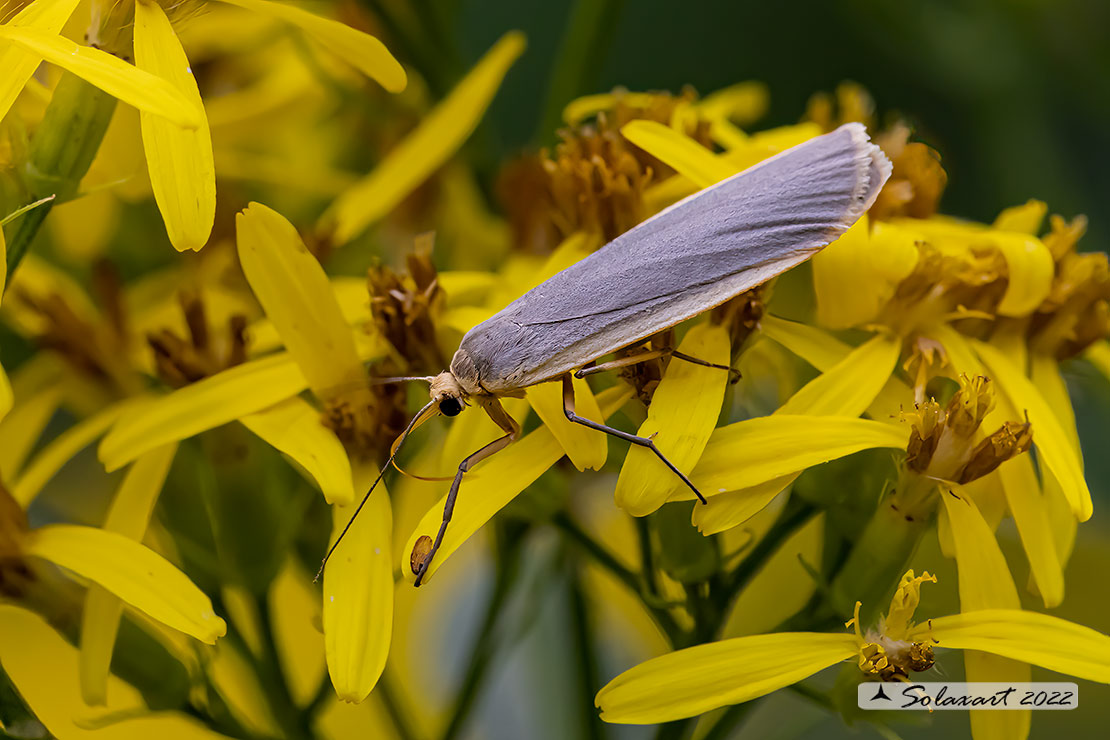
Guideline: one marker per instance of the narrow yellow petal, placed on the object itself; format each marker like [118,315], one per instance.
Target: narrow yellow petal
[849,387]
[204,405]
[358,596]
[742,103]
[691,159]
[295,612]
[236,683]
[1029,508]
[424,150]
[293,427]
[361,50]
[53,695]
[136,574]
[1098,354]
[492,485]
[182,171]
[1044,371]
[1031,269]
[21,429]
[695,680]
[815,346]
[990,725]
[586,448]
[588,105]
[3,262]
[681,418]
[18,65]
[6,398]
[295,293]
[1051,440]
[1031,637]
[857,274]
[985,580]
[728,510]
[1024,219]
[61,450]
[755,451]
[111,74]
[128,516]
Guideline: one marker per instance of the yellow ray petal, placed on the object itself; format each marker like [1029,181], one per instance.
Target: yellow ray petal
[682,415]
[358,595]
[361,50]
[1031,637]
[492,485]
[136,574]
[586,106]
[849,387]
[1050,439]
[985,580]
[296,295]
[752,452]
[857,274]
[424,150]
[60,451]
[295,612]
[111,74]
[6,397]
[781,587]
[1098,354]
[20,429]
[695,680]
[815,346]
[294,428]
[45,15]
[728,510]
[128,516]
[1044,371]
[742,103]
[688,157]
[1024,219]
[586,448]
[204,405]
[986,667]
[236,682]
[1029,508]
[1031,270]
[182,171]
[52,695]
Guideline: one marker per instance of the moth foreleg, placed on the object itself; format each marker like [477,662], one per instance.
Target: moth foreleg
[568,410]
[496,412]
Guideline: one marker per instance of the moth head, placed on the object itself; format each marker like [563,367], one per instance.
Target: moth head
[448,395]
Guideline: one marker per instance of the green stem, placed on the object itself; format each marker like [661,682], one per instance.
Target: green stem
[797,513]
[634,582]
[384,690]
[485,645]
[64,145]
[588,671]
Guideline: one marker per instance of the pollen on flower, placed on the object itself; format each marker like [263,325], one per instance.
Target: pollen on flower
[886,652]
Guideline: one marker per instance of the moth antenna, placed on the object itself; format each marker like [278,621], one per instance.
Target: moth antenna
[393,453]
[400,379]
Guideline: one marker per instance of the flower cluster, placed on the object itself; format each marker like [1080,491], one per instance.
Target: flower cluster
[892,401]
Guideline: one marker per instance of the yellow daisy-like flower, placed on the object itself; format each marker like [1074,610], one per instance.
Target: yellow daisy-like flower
[696,680]
[175,130]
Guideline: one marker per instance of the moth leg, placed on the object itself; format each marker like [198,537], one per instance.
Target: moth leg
[622,362]
[651,355]
[512,430]
[568,409]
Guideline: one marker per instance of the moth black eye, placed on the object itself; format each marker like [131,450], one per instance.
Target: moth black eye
[450,406]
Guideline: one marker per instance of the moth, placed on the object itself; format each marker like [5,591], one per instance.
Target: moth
[686,259]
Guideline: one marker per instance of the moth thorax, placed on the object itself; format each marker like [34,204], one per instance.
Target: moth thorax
[465,373]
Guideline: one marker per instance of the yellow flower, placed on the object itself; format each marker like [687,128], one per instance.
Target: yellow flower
[175,130]
[696,680]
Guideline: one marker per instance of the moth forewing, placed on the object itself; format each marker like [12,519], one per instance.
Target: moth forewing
[685,260]
[694,255]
